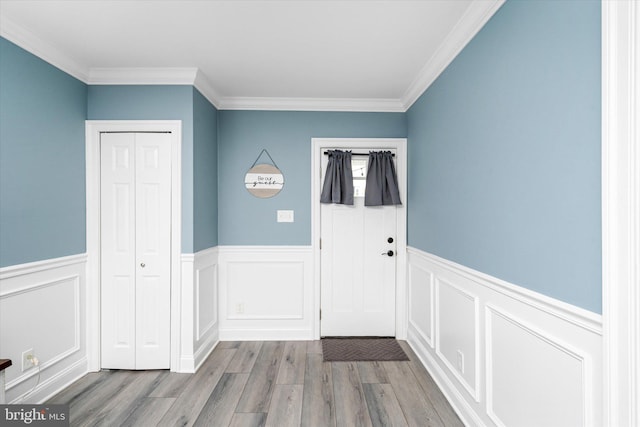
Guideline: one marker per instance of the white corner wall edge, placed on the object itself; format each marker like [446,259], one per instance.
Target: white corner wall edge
[56,331]
[621,211]
[265,293]
[515,345]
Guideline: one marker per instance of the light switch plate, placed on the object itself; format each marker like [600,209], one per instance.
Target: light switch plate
[285,216]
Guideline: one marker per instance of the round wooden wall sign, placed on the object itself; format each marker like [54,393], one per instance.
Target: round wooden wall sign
[264,181]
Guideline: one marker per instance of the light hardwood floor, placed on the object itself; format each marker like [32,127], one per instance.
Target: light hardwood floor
[270,383]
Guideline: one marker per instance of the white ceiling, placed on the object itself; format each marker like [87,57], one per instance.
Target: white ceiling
[293,54]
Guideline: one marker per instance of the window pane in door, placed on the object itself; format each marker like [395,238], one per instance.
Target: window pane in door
[359,168]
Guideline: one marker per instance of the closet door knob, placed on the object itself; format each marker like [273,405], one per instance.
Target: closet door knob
[142,264]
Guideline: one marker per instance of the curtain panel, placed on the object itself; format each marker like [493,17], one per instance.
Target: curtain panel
[382,181]
[338,179]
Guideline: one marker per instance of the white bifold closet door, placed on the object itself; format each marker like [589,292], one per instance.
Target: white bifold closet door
[135,233]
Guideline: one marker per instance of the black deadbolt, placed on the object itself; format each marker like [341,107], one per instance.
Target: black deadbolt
[390,240]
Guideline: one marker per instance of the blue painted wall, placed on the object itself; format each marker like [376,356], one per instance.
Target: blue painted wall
[247,220]
[504,152]
[42,159]
[504,155]
[131,102]
[205,173]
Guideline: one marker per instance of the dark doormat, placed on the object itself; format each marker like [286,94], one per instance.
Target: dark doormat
[361,350]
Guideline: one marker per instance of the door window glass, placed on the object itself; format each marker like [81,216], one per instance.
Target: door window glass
[359,168]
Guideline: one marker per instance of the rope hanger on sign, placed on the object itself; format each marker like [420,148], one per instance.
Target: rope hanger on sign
[264,151]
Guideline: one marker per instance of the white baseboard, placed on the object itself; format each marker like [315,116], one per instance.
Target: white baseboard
[54,384]
[43,309]
[448,388]
[504,355]
[265,293]
[205,350]
[235,334]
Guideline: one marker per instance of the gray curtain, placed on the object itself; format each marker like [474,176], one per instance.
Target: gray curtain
[382,182]
[338,179]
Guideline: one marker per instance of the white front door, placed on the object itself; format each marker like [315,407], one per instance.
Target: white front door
[135,228]
[358,264]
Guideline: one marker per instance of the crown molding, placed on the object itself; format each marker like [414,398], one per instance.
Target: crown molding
[474,18]
[155,76]
[42,49]
[312,104]
[193,76]
[206,89]
[142,76]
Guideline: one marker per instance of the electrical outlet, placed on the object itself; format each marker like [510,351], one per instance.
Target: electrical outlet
[460,361]
[27,359]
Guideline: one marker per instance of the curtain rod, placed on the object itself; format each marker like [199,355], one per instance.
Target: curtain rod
[360,154]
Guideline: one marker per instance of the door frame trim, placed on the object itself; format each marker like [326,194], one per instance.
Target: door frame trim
[93,129]
[620,212]
[318,145]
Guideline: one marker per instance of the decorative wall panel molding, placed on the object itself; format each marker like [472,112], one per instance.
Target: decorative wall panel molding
[538,361]
[43,309]
[420,295]
[38,266]
[206,304]
[206,299]
[199,308]
[265,292]
[522,359]
[458,333]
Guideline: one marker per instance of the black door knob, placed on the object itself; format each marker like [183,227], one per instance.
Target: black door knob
[390,240]
[388,253]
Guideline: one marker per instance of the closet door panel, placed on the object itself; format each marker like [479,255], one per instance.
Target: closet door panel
[117,230]
[153,239]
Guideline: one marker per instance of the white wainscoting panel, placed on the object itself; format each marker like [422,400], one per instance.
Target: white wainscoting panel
[206,304]
[528,360]
[458,333]
[206,300]
[254,283]
[199,308]
[265,293]
[43,308]
[421,303]
[524,361]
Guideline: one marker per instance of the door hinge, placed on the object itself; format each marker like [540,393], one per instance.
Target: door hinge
[320,314]
[320,244]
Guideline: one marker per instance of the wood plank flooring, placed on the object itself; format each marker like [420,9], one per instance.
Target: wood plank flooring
[270,383]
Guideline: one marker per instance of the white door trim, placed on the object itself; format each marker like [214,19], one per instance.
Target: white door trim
[621,211]
[92,152]
[318,145]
